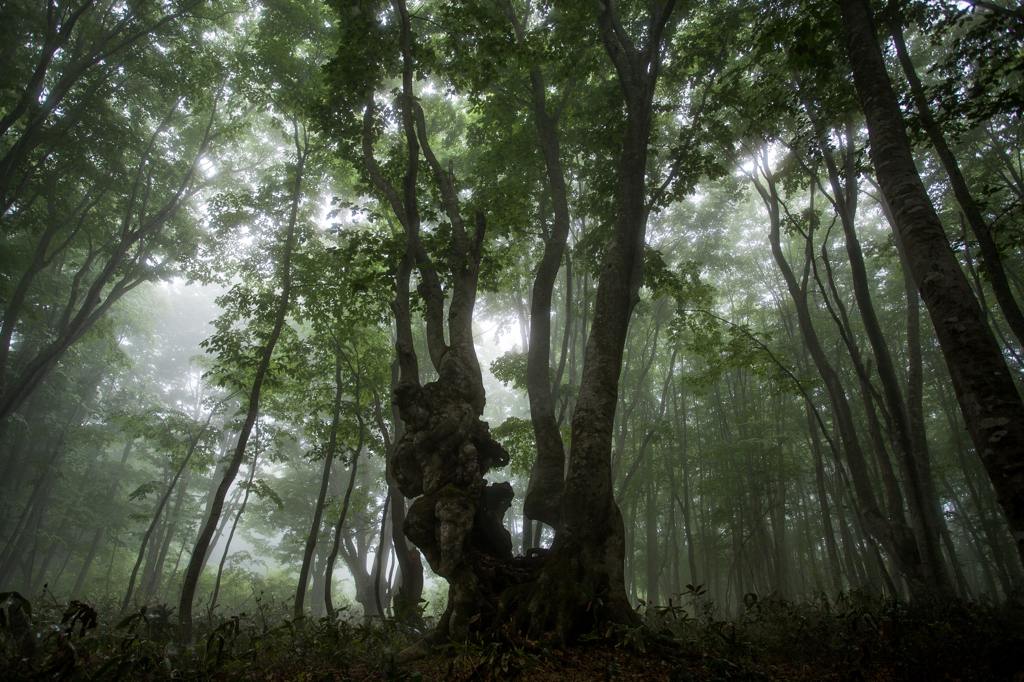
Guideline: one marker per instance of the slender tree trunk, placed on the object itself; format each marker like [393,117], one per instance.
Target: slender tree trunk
[39,498]
[325,480]
[782,565]
[544,492]
[979,226]
[98,536]
[332,557]
[152,585]
[149,566]
[234,527]
[919,505]
[854,570]
[197,560]
[159,510]
[835,571]
[410,591]
[380,558]
[979,552]
[651,558]
[681,438]
[869,396]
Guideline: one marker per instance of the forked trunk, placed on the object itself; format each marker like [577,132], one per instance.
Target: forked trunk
[445,450]
[582,578]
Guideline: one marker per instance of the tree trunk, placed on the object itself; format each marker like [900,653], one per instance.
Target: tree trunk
[587,555]
[234,527]
[318,511]
[651,559]
[679,420]
[982,232]
[835,570]
[409,591]
[992,407]
[1003,565]
[446,449]
[332,557]
[196,562]
[159,510]
[544,492]
[152,585]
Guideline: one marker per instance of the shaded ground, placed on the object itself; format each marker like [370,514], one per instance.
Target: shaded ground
[852,638]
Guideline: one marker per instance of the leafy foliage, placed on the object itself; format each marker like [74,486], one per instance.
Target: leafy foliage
[853,636]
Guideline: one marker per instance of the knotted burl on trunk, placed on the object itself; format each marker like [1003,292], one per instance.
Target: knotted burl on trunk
[456,520]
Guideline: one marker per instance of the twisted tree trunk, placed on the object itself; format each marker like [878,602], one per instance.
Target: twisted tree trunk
[445,450]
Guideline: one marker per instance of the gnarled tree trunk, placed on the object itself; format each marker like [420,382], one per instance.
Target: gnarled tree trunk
[445,450]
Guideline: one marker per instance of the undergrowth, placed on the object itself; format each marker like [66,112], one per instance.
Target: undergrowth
[853,637]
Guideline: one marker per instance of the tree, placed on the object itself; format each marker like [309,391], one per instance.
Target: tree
[588,549]
[104,136]
[991,405]
[445,449]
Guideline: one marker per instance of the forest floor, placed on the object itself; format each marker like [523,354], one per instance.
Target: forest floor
[851,638]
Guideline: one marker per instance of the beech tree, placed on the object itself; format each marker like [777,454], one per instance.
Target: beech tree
[988,397]
[445,449]
[103,139]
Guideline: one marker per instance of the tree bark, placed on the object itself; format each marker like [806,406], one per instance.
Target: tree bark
[234,527]
[409,591]
[589,549]
[992,407]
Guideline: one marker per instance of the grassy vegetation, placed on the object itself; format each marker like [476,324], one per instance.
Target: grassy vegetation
[854,637]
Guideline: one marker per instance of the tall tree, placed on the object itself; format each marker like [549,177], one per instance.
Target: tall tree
[445,449]
[589,549]
[269,312]
[103,137]
[991,405]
